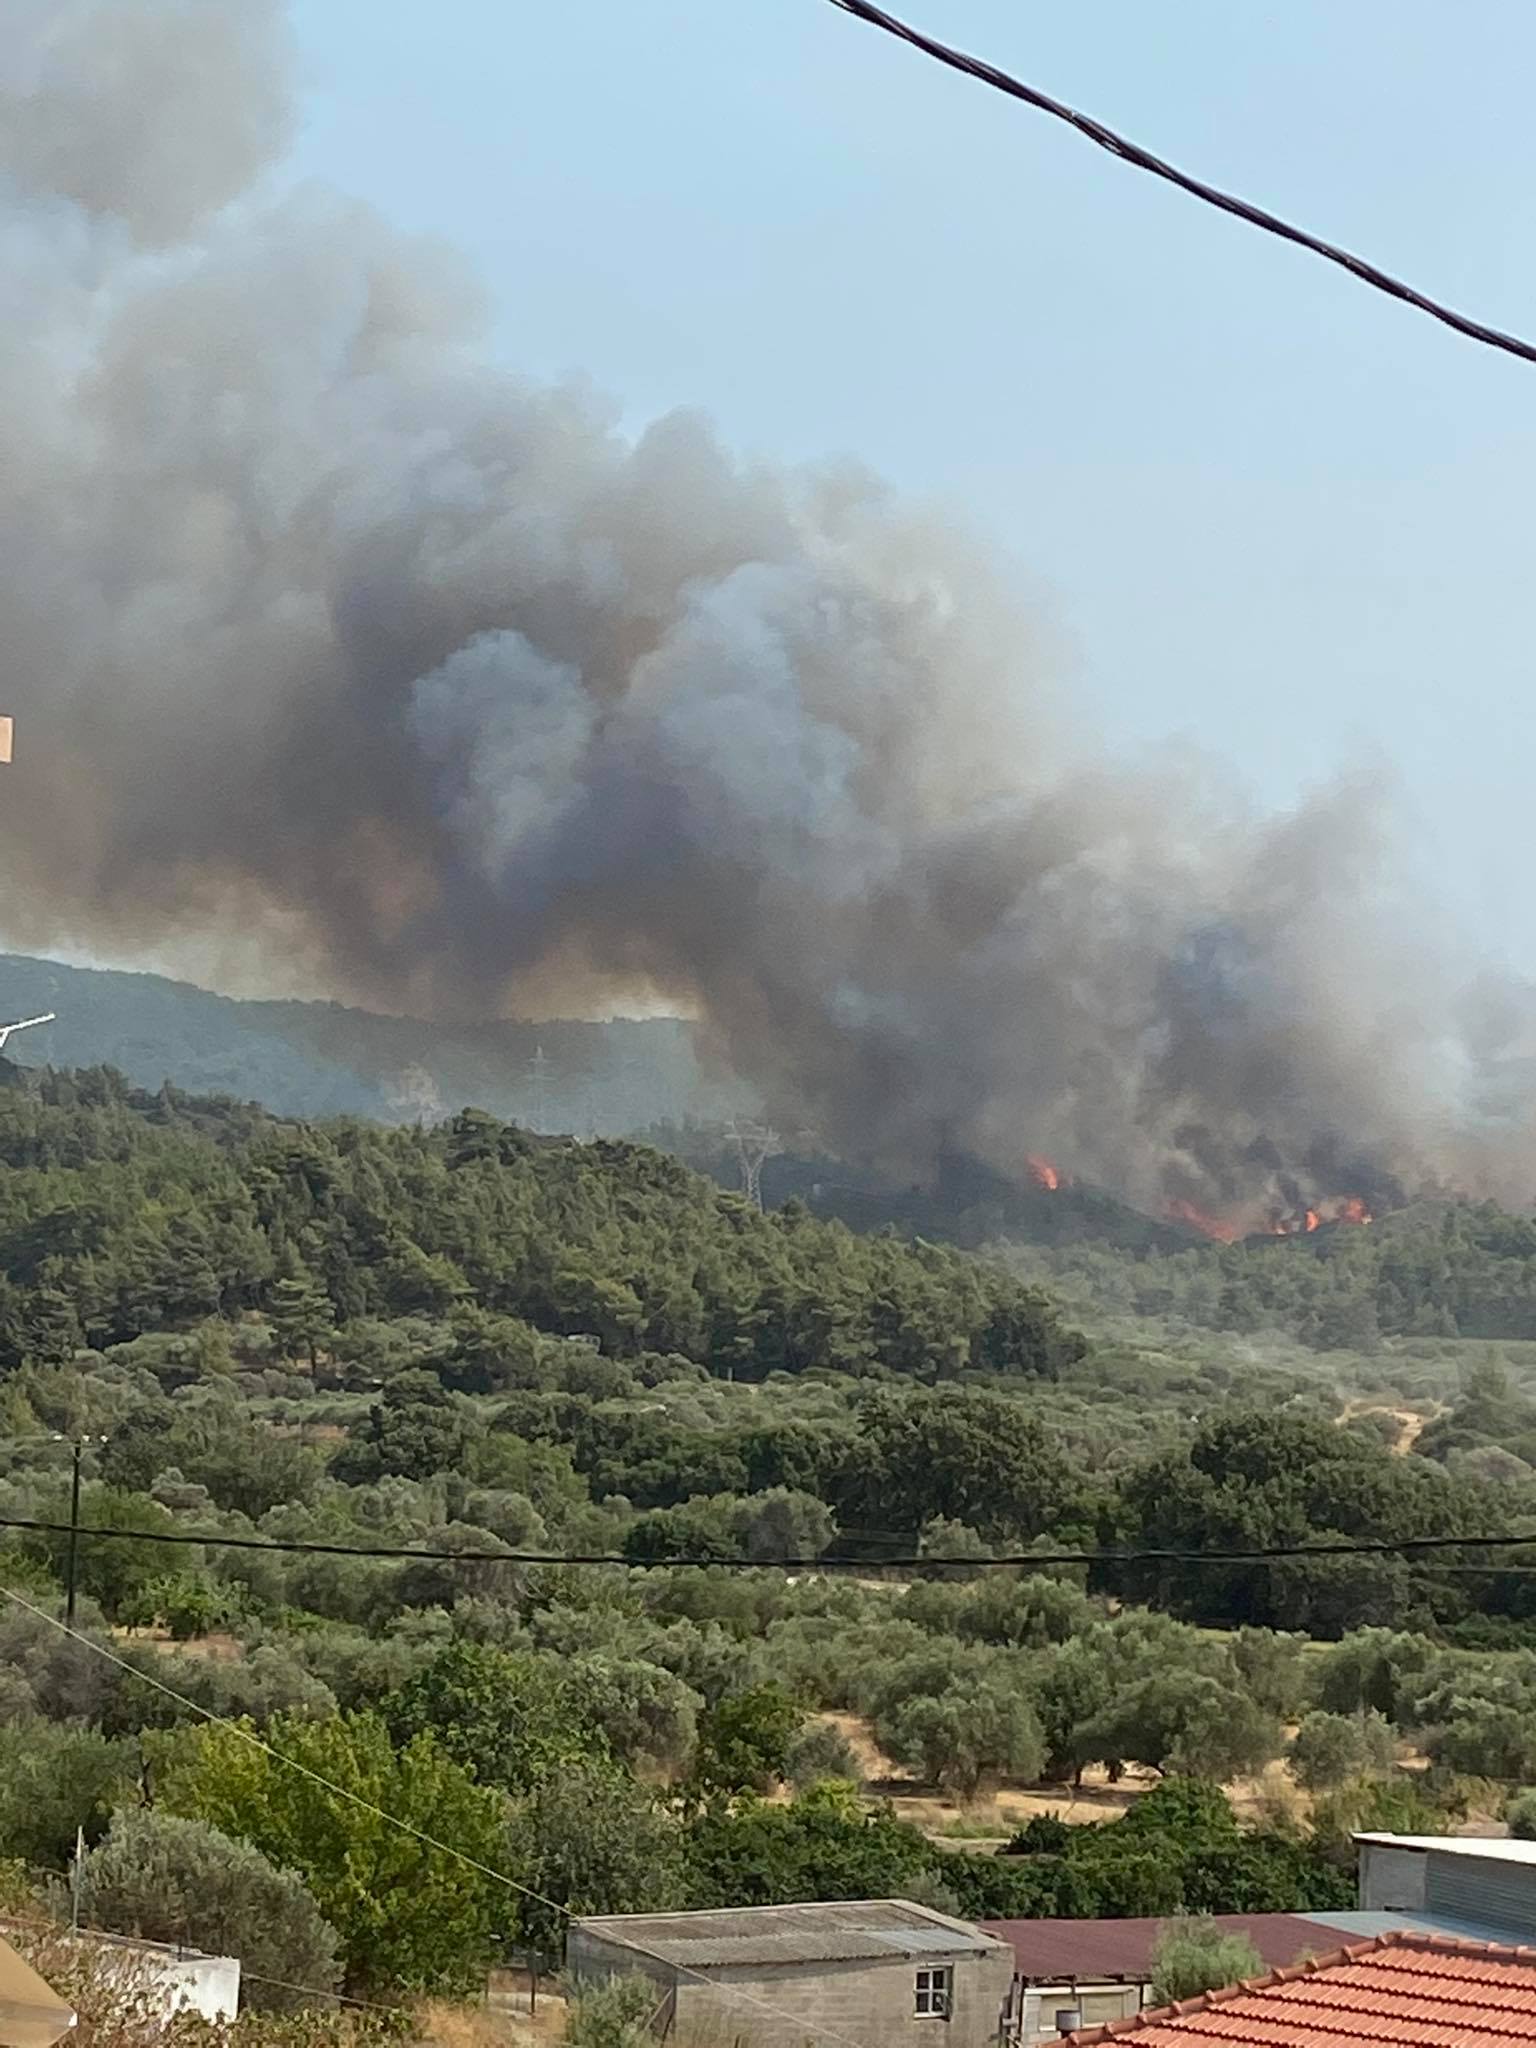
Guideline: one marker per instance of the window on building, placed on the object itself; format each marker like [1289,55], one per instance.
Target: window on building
[933,1994]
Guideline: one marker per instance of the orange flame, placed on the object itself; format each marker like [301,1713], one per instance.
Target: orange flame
[1044,1173]
[1208,1226]
[1296,1226]
[1227,1230]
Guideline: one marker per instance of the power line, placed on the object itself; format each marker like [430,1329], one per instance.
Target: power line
[400,1553]
[249,1735]
[1212,195]
[320,1996]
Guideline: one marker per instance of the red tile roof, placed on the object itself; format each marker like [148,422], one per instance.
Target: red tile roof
[1402,1991]
[1089,1951]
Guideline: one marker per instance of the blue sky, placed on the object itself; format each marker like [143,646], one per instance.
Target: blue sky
[1267,507]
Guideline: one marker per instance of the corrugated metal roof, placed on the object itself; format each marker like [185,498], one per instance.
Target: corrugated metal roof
[1366,1926]
[1109,1951]
[1500,1850]
[823,1932]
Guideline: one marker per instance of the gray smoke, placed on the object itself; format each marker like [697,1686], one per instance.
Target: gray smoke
[330,640]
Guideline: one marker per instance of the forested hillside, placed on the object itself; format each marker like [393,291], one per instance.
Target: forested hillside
[465,1464]
[124,1213]
[961,1202]
[1437,1269]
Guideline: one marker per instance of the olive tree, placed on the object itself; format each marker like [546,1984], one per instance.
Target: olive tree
[170,1879]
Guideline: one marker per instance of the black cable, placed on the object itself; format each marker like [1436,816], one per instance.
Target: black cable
[1341,1547]
[1212,195]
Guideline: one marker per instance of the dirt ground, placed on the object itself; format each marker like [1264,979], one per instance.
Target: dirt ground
[1007,1808]
[215,1649]
[503,2022]
[996,1815]
[1411,1423]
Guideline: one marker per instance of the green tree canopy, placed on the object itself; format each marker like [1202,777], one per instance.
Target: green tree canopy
[513,1717]
[1328,1750]
[591,1840]
[410,1915]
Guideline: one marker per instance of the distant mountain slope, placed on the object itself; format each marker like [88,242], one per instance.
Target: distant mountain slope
[966,1204]
[615,1079]
[322,1059]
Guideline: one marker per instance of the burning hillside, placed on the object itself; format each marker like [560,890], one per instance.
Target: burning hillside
[1295,1219]
[1227,1229]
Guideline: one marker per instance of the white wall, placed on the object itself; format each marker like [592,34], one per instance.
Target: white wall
[1098,2004]
[209,1985]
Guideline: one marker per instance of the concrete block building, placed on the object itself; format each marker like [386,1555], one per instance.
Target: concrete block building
[867,1974]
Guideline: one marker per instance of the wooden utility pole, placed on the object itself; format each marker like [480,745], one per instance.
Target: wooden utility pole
[74,1539]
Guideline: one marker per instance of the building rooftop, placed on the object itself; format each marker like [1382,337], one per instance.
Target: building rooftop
[846,1931]
[1358,1926]
[1120,1951]
[1107,1951]
[1499,1849]
[1401,1991]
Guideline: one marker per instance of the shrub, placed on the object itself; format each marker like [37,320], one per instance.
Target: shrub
[618,2014]
[821,1750]
[169,1879]
[1043,1834]
[1330,1749]
[1192,1956]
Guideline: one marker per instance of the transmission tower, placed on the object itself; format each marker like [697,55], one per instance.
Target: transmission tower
[754,1143]
[538,1076]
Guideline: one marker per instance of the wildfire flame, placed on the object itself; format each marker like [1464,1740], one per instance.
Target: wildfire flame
[1295,1226]
[1209,1226]
[1043,1172]
[1227,1229]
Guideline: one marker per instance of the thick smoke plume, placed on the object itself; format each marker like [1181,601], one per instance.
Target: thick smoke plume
[329,639]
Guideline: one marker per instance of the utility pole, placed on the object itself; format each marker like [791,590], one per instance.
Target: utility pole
[74,1538]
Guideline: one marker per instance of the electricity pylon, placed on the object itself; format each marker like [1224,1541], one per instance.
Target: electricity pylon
[754,1143]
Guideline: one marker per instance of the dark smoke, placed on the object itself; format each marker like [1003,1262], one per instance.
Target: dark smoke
[418,684]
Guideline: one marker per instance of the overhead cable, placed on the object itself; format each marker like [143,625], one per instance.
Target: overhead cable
[247,1734]
[1212,195]
[1406,1546]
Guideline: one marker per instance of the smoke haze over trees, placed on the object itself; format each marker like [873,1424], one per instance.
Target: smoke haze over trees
[340,654]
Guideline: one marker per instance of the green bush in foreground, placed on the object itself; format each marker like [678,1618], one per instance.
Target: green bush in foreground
[1192,1956]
